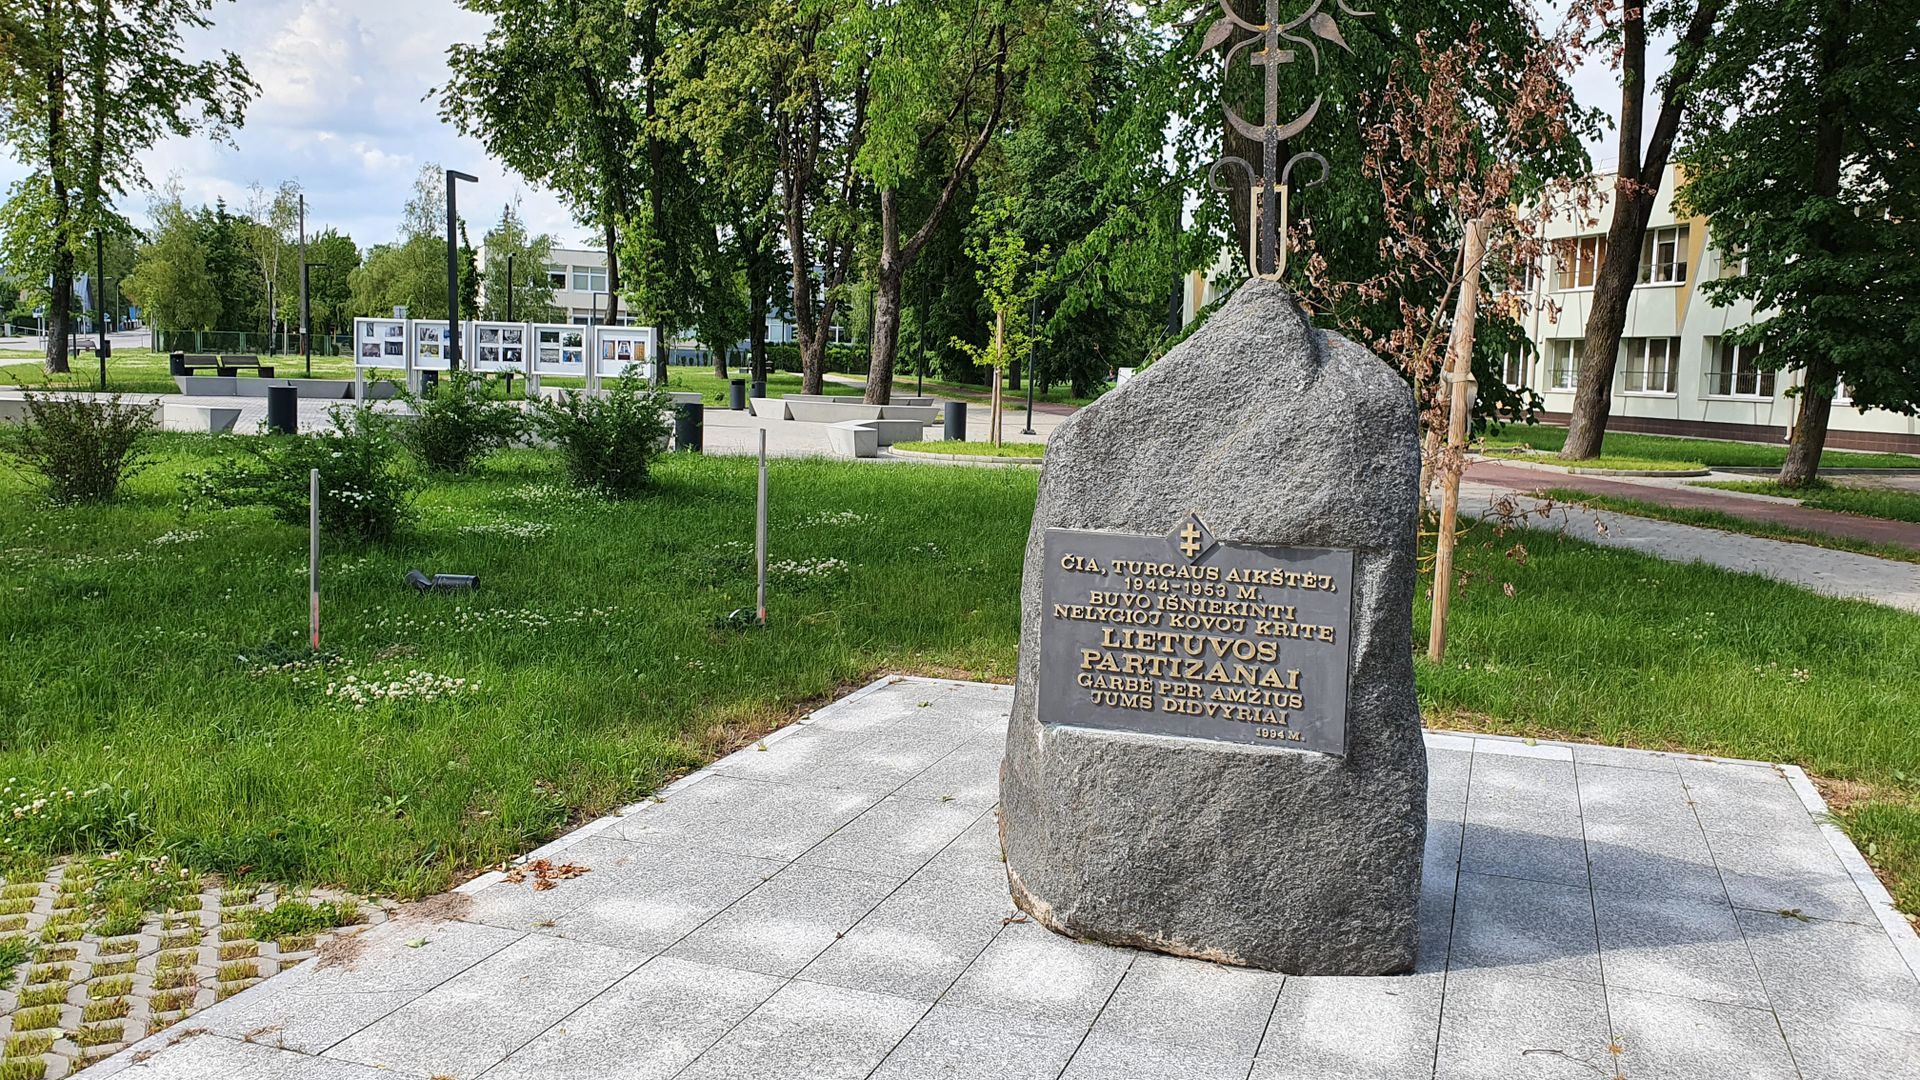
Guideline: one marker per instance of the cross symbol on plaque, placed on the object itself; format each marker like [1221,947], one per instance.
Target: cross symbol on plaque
[1190,540]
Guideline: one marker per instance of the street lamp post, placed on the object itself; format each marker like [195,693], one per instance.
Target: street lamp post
[100,302]
[453,268]
[1033,322]
[510,286]
[306,337]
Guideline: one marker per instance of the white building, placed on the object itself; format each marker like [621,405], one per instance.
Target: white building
[1676,375]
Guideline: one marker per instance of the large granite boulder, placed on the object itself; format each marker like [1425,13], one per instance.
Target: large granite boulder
[1270,434]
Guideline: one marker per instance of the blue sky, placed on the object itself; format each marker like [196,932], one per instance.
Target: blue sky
[341,109]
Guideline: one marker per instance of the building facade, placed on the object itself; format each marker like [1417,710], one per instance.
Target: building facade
[1677,374]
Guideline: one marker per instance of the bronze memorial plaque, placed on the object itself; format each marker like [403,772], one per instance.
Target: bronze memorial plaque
[1181,634]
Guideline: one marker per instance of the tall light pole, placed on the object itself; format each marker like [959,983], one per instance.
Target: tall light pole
[453,269]
[100,301]
[509,286]
[1033,322]
[306,338]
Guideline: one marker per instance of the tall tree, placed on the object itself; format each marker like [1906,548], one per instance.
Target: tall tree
[333,257]
[170,280]
[1803,156]
[1636,185]
[88,87]
[273,221]
[532,289]
[556,90]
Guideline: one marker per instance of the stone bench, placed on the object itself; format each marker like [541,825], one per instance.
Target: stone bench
[864,438]
[212,419]
[843,399]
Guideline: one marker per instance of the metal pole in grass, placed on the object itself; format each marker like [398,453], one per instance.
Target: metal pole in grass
[760,533]
[313,558]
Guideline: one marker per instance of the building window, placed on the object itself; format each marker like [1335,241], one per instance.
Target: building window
[1736,372]
[1650,364]
[589,279]
[1563,363]
[1663,256]
[556,276]
[1579,260]
[1513,369]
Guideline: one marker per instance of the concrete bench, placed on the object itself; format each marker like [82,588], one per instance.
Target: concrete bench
[768,408]
[212,419]
[854,438]
[924,414]
[819,412]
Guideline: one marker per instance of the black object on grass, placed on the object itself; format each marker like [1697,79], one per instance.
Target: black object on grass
[442,582]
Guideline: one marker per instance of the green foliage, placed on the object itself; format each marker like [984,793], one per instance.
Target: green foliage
[608,441]
[365,489]
[532,289]
[170,280]
[460,422]
[842,359]
[16,950]
[80,447]
[410,273]
[1010,277]
[1801,154]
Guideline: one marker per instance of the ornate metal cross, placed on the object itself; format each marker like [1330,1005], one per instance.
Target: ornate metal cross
[1267,188]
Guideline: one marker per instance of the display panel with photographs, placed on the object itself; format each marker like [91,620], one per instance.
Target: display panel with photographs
[559,349]
[380,343]
[499,347]
[619,348]
[431,350]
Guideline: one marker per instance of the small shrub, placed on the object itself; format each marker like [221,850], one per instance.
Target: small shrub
[81,447]
[366,492]
[608,442]
[460,422]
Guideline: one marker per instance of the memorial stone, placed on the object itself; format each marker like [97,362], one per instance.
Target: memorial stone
[1215,748]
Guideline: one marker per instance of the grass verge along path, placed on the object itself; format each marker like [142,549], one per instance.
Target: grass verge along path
[143,371]
[1734,523]
[1842,499]
[975,449]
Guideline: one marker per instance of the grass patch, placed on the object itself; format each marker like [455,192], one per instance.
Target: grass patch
[15,951]
[37,1018]
[1058,394]
[975,449]
[1892,505]
[1712,452]
[1733,523]
[299,918]
[143,371]
[151,644]
[1624,464]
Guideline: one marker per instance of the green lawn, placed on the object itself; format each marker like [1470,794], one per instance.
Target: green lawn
[154,656]
[143,371]
[1608,462]
[1714,452]
[1058,394]
[715,389]
[1866,501]
[975,449]
[1726,522]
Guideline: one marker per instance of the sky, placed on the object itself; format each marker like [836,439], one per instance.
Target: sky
[343,109]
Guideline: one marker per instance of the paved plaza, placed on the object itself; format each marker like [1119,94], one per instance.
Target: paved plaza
[830,903]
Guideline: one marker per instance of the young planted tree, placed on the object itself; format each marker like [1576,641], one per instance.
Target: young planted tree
[1011,276]
[1636,184]
[1803,155]
[1473,158]
[88,87]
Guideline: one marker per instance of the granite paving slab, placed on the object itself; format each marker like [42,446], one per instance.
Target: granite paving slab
[833,905]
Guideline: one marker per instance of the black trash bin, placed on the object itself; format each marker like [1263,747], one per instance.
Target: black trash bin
[283,410]
[759,388]
[737,395]
[429,382]
[956,428]
[689,426]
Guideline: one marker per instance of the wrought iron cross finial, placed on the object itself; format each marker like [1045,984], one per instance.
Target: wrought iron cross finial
[1267,188]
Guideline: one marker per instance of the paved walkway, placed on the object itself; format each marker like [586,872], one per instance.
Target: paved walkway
[1888,582]
[1764,510]
[831,904]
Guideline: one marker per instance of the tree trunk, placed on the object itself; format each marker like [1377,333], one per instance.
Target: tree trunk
[60,304]
[613,280]
[1636,185]
[758,287]
[1802,466]
[889,279]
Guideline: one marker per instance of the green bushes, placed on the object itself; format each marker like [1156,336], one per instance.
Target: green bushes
[607,442]
[460,423]
[840,359]
[80,447]
[366,490]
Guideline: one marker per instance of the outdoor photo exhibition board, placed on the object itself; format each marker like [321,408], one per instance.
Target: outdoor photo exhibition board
[559,349]
[499,347]
[430,347]
[619,347]
[380,343]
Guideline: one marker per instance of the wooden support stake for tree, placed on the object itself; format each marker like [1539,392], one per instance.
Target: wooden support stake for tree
[1000,362]
[1459,383]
